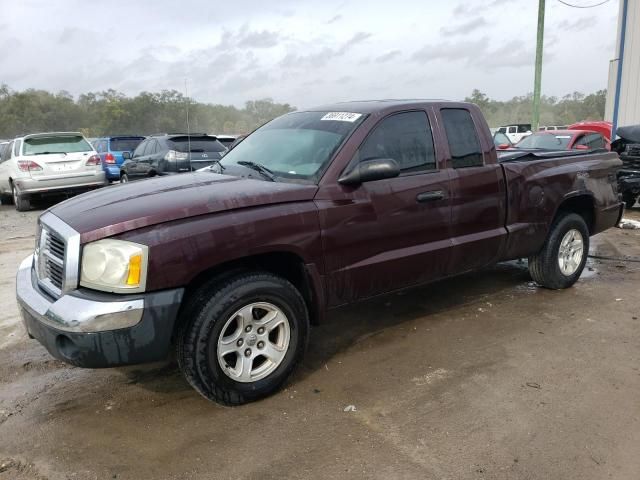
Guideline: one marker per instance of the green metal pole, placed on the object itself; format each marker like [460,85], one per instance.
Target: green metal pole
[535,123]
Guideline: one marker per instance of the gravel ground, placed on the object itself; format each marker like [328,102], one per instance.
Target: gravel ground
[483,376]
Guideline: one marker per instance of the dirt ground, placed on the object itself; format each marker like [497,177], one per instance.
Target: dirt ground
[483,376]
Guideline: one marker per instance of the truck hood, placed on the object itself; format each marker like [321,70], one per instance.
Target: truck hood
[121,208]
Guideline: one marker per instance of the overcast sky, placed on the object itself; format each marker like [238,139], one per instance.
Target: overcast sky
[304,52]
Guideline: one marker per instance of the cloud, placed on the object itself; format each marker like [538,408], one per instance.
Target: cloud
[390,55]
[466,50]
[334,19]
[262,39]
[577,25]
[477,54]
[464,28]
[321,57]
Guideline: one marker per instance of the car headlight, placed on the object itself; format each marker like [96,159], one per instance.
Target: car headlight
[114,266]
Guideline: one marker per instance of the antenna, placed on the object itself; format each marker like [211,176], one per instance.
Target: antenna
[186,93]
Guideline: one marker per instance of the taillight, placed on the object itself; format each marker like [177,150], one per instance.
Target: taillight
[93,160]
[109,158]
[28,165]
[173,155]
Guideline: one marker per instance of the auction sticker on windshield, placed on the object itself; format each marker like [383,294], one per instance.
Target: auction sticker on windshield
[342,116]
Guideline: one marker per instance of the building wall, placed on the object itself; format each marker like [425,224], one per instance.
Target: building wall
[629,104]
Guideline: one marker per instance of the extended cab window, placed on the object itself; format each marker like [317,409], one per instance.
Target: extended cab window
[404,137]
[462,137]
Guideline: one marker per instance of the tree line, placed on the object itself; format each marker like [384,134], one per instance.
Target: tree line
[111,112]
[569,109]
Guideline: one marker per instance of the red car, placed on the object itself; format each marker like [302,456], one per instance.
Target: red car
[564,140]
[601,127]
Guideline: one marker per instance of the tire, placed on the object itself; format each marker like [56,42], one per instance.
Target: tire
[124,178]
[6,199]
[21,201]
[548,267]
[629,200]
[219,310]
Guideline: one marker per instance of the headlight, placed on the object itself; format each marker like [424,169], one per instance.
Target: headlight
[114,266]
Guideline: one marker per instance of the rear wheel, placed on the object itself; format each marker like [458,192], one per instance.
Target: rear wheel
[563,256]
[124,178]
[629,200]
[242,336]
[20,200]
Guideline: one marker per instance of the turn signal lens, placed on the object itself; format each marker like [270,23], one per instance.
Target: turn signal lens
[135,269]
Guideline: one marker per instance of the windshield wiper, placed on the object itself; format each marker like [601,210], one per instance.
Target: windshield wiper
[49,153]
[258,168]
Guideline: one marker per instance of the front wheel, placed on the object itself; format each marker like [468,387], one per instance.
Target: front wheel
[124,178]
[563,256]
[241,338]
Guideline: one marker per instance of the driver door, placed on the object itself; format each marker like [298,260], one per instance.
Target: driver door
[388,234]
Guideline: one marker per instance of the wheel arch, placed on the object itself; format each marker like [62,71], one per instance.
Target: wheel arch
[582,204]
[283,263]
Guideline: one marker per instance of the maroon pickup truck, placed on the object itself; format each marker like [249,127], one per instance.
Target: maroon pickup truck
[312,211]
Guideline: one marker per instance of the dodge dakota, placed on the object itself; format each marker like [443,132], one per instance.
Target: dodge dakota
[314,210]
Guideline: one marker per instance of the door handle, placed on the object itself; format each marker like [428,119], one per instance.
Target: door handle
[430,196]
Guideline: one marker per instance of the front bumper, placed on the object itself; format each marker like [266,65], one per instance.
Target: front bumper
[61,184]
[93,329]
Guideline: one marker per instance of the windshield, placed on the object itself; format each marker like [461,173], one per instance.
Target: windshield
[198,144]
[545,141]
[125,144]
[296,146]
[60,144]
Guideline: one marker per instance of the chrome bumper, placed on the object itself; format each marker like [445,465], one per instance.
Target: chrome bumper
[71,313]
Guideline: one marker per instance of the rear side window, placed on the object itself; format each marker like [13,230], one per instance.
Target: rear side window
[405,137]
[462,137]
[5,152]
[512,129]
[140,149]
[592,140]
[57,144]
[197,144]
[124,144]
[100,146]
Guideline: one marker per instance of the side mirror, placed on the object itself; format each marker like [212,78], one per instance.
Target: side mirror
[126,155]
[371,170]
[581,147]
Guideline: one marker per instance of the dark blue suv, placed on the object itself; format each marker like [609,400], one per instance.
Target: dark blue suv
[111,149]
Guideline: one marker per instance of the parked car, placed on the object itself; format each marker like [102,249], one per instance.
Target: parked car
[314,210]
[552,127]
[628,146]
[226,140]
[111,150]
[602,127]
[47,163]
[166,154]
[564,140]
[516,132]
[501,141]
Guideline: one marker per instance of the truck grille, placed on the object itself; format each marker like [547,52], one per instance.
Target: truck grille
[54,259]
[56,255]
[50,256]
